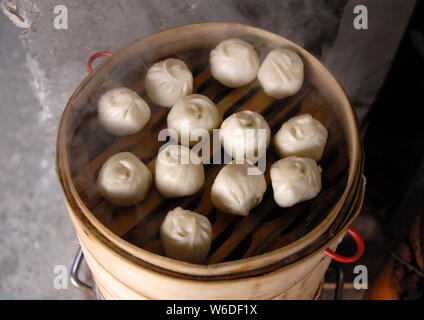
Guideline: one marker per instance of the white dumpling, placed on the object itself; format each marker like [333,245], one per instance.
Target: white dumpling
[124,180]
[121,111]
[191,113]
[295,179]
[237,190]
[178,172]
[281,73]
[301,136]
[186,235]
[234,63]
[167,81]
[245,134]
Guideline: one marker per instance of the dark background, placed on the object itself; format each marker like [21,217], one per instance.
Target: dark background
[393,135]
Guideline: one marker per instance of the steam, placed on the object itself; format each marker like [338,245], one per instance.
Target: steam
[313,24]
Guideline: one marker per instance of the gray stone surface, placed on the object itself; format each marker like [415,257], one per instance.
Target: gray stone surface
[36,233]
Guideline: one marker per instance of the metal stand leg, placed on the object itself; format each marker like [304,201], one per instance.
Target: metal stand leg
[75,280]
[339,281]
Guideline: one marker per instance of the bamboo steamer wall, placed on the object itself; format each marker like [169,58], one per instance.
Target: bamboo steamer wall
[117,243]
[119,278]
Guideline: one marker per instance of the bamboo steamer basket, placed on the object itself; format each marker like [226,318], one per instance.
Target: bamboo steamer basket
[272,253]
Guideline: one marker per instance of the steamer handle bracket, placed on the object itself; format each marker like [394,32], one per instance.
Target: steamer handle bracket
[95,56]
[75,280]
[359,243]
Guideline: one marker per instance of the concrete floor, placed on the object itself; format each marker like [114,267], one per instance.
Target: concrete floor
[36,233]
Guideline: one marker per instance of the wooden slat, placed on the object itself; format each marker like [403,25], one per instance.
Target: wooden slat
[269,230]
[307,220]
[223,221]
[154,246]
[243,228]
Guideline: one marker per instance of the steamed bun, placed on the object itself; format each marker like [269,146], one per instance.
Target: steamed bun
[301,136]
[124,180]
[186,235]
[281,73]
[245,135]
[167,81]
[236,190]
[234,63]
[121,111]
[178,172]
[295,179]
[191,113]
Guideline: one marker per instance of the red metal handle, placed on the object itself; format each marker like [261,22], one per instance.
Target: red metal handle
[95,56]
[359,242]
